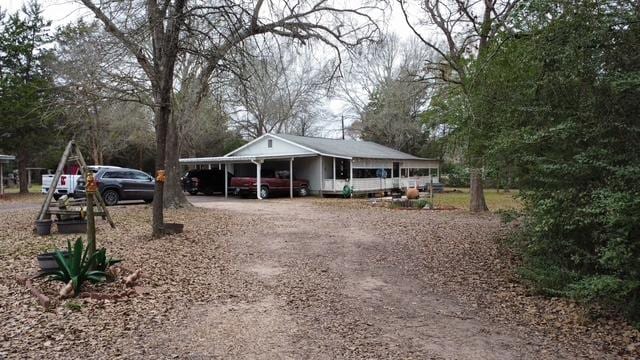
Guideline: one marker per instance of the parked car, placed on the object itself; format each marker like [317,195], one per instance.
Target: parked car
[117,184]
[205,181]
[271,183]
[69,184]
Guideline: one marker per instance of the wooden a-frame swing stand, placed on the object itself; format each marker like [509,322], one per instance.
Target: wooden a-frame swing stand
[72,154]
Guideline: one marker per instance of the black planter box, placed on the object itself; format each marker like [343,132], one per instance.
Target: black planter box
[48,262]
[72,226]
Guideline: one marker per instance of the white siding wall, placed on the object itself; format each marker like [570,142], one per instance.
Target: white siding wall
[279,147]
[308,168]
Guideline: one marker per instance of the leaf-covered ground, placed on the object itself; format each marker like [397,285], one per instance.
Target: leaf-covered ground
[305,278]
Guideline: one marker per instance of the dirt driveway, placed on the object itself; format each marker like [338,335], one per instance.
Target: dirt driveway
[323,279]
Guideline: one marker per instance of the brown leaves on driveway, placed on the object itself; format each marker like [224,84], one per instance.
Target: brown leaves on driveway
[318,271]
[178,272]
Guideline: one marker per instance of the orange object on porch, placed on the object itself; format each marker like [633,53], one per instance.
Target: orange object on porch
[413,193]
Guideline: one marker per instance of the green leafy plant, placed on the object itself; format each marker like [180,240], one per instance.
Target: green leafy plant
[73,306]
[421,203]
[509,215]
[102,262]
[77,268]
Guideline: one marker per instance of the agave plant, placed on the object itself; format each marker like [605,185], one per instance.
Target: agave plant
[102,262]
[77,268]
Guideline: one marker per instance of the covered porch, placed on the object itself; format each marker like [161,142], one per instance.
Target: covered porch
[373,175]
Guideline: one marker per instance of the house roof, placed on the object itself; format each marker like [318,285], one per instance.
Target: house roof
[347,148]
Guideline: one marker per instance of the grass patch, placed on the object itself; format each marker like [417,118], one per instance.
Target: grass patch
[459,198]
[34,188]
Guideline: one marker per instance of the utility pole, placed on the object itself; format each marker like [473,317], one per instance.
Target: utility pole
[342,126]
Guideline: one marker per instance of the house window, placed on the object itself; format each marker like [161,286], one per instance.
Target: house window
[270,143]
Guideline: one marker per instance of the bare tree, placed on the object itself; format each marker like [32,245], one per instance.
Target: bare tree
[158,24]
[465,29]
[386,93]
[88,68]
[155,32]
[278,90]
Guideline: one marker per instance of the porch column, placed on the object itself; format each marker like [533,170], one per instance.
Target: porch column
[29,178]
[1,179]
[351,182]
[438,172]
[291,178]
[219,166]
[258,186]
[226,180]
[334,174]
[209,166]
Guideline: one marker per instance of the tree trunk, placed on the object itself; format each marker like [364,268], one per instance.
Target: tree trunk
[477,202]
[162,116]
[141,158]
[173,195]
[23,160]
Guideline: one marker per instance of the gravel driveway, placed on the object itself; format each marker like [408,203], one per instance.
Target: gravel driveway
[330,279]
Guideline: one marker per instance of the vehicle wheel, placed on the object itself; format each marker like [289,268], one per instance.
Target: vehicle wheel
[264,192]
[56,197]
[110,197]
[303,191]
[193,192]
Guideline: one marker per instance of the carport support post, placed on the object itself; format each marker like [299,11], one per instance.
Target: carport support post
[291,178]
[258,185]
[226,191]
[321,175]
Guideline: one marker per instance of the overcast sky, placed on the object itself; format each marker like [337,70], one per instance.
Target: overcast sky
[62,12]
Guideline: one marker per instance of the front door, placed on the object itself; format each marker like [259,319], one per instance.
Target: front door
[396,174]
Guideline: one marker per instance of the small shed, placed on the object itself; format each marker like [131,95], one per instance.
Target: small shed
[328,164]
[3,160]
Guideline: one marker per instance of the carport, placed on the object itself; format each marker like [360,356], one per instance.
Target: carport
[231,162]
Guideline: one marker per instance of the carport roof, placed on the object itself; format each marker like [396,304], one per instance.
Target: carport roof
[7,158]
[237,159]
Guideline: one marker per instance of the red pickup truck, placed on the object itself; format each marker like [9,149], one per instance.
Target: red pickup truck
[271,182]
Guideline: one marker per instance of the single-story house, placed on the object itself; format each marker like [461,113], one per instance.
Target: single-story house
[328,164]
[3,160]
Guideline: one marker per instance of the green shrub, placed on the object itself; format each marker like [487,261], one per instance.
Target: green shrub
[454,175]
[509,215]
[421,203]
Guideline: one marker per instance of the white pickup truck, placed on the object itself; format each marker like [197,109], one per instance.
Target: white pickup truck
[68,182]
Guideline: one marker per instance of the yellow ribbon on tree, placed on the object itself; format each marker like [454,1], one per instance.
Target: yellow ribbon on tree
[160,176]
